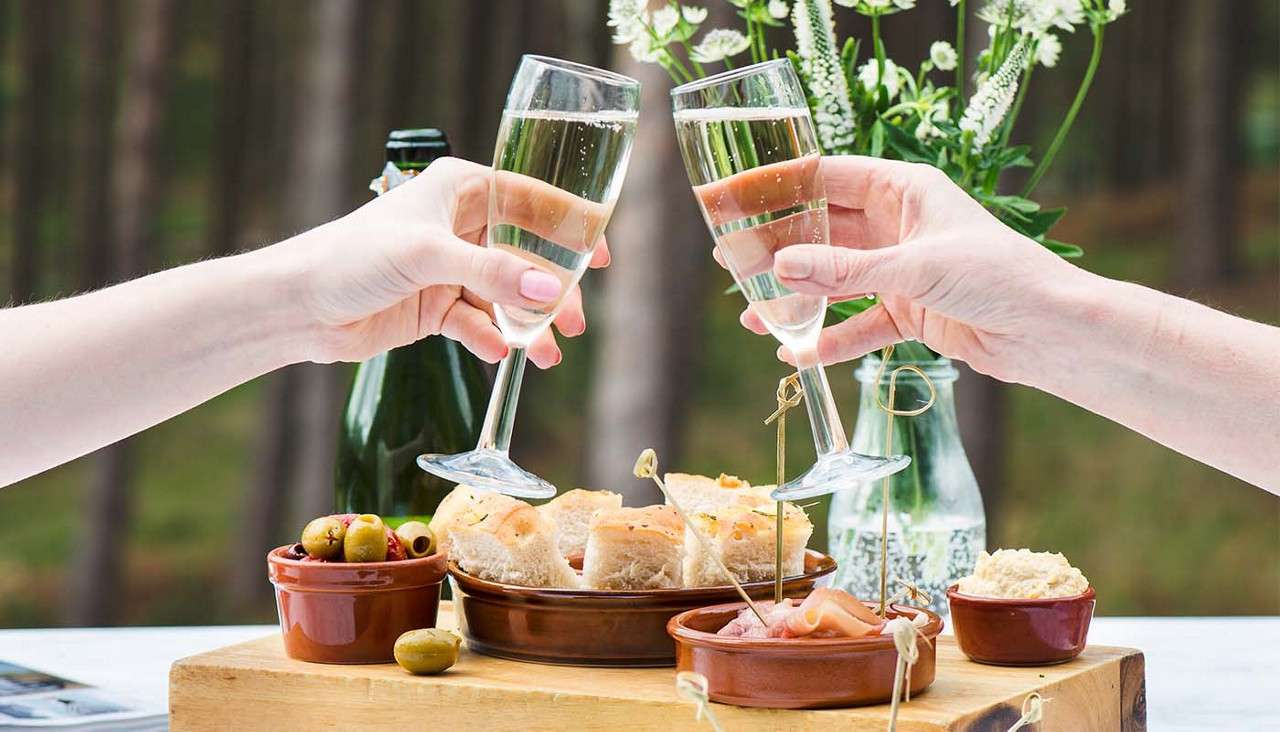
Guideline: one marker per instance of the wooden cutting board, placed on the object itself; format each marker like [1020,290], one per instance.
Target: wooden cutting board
[253,686]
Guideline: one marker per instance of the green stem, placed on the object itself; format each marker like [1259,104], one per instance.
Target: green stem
[879,49]
[960,13]
[1065,127]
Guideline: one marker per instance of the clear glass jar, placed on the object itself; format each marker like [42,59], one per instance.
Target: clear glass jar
[937,525]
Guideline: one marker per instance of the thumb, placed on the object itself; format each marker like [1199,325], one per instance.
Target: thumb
[828,270]
[493,274]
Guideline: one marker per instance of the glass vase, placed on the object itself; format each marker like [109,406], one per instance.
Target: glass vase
[936,525]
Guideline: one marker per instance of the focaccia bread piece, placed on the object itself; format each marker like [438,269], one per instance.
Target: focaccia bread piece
[634,549]
[571,513]
[743,538]
[700,494]
[514,545]
[465,505]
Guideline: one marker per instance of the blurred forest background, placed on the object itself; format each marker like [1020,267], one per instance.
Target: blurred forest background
[141,134]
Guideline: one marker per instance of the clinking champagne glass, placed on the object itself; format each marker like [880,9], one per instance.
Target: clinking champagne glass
[749,145]
[562,152]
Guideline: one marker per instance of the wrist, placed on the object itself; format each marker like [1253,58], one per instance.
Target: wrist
[1091,327]
[274,283]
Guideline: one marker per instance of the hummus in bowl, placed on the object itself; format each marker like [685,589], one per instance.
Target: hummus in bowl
[1021,574]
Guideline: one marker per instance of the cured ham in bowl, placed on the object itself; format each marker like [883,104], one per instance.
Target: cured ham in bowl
[828,650]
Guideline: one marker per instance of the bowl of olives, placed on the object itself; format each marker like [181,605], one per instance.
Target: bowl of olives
[353,585]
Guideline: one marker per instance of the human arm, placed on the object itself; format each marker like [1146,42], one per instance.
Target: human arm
[947,273]
[80,373]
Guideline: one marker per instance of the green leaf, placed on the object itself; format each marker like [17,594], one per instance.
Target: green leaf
[840,311]
[907,146]
[1063,249]
[1040,222]
[877,139]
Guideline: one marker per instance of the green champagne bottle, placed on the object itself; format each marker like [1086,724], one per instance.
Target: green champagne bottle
[428,396]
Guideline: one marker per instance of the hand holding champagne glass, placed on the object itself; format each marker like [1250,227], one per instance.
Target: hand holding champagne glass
[752,155]
[562,152]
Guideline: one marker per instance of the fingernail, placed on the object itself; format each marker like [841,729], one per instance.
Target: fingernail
[793,268]
[784,354]
[540,286]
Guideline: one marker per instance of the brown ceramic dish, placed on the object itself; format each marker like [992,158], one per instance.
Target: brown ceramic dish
[1008,632]
[334,612]
[795,673]
[595,627]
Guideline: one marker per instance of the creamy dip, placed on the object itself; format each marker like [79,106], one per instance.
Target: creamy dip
[1023,574]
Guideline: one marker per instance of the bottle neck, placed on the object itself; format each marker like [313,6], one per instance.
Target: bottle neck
[910,391]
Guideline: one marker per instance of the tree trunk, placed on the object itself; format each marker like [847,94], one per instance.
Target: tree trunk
[135,190]
[982,410]
[232,133]
[323,188]
[1207,246]
[262,521]
[32,153]
[99,36]
[652,301]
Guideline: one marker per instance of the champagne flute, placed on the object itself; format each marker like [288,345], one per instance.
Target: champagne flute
[562,152]
[752,155]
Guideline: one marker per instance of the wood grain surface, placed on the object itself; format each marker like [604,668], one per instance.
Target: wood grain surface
[253,686]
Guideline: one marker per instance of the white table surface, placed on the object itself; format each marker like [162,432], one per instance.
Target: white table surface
[1202,673]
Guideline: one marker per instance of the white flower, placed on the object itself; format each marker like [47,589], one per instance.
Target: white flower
[665,19]
[943,56]
[1034,16]
[1116,8]
[1064,14]
[905,4]
[820,65]
[928,118]
[719,44]
[991,102]
[869,73]
[628,18]
[877,4]
[643,50]
[845,3]
[953,3]
[1048,49]
[778,9]
[693,14]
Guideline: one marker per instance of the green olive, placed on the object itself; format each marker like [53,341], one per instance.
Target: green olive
[417,539]
[427,651]
[322,538]
[366,540]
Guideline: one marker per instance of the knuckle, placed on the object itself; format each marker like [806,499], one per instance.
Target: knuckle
[486,270]
[841,266]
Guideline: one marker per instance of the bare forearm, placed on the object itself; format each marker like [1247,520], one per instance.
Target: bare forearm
[1197,380]
[81,373]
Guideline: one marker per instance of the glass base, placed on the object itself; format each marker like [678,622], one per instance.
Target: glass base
[839,471]
[487,470]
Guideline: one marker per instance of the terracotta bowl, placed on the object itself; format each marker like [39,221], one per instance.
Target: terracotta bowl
[334,612]
[1021,632]
[594,627]
[795,673]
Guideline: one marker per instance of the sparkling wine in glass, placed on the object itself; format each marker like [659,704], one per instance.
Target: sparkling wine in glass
[561,155]
[752,155]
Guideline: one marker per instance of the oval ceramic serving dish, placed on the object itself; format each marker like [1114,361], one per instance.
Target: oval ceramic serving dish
[796,673]
[595,627]
[335,612]
[1007,632]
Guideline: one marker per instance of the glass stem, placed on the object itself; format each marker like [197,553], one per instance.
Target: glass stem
[824,420]
[501,414]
